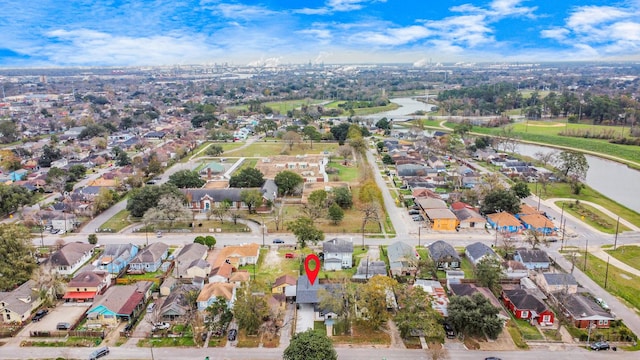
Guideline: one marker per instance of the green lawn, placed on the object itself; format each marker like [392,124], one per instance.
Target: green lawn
[118,222]
[375,110]
[265,149]
[628,254]
[345,173]
[282,106]
[593,217]
[528,331]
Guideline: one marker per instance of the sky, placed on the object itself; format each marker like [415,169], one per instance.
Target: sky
[54,33]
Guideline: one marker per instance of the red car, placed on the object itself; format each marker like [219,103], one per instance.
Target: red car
[289,255]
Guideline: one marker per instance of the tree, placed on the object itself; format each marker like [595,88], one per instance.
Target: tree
[310,132]
[387,159]
[346,151]
[305,231]
[142,199]
[16,256]
[247,178]
[10,161]
[534,238]
[488,272]
[105,199]
[12,197]
[418,316]
[291,138]
[573,166]
[521,189]
[310,345]
[383,124]
[316,204]
[336,214]
[250,310]
[210,241]
[220,210]
[372,299]
[49,155]
[49,283]
[215,150]
[340,300]
[546,158]
[77,172]
[252,198]
[474,316]
[123,159]
[343,197]
[8,131]
[57,179]
[92,239]
[186,179]
[218,315]
[288,182]
[170,209]
[340,132]
[500,200]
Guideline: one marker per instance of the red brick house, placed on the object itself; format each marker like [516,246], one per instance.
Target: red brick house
[526,306]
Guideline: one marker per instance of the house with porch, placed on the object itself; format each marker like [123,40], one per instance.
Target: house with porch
[238,255]
[403,259]
[70,258]
[505,222]
[149,259]
[119,303]
[176,305]
[534,259]
[444,255]
[338,254]
[86,285]
[470,219]
[116,257]
[538,223]
[190,262]
[17,305]
[478,251]
[583,311]
[524,305]
[557,282]
[211,292]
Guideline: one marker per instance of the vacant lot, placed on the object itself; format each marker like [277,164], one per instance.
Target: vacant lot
[628,254]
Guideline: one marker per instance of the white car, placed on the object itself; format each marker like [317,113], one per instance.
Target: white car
[161,326]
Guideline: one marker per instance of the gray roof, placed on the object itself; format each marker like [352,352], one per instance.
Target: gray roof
[217,195]
[16,300]
[442,251]
[582,307]
[533,256]
[190,254]
[87,279]
[560,279]
[151,254]
[478,250]
[399,253]
[177,303]
[336,245]
[117,250]
[70,254]
[369,269]
[269,190]
[305,292]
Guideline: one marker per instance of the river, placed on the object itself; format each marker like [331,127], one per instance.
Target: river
[614,180]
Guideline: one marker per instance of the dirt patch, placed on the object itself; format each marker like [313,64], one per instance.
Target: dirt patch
[272,259]
[503,342]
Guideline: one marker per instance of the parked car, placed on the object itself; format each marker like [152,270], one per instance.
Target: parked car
[552,240]
[233,333]
[414,212]
[600,345]
[63,326]
[278,241]
[418,218]
[289,255]
[39,314]
[103,351]
[602,303]
[492,358]
[448,329]
[161,326]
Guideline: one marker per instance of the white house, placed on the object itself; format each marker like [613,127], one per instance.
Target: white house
[338,254]
[70,258]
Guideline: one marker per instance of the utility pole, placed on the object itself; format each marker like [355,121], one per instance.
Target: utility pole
[563,229]
[606,274]
[615,241]
[585,254]
[419,227]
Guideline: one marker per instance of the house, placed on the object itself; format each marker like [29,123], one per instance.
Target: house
[478,251]
[176,305]
[442,219]
[70,258]
[402,259]
[414,170]
[239,277]
[86,285]
[557,282]
[513,269]
[116,257]
[583,311]
[211,292]
[190,262]
[505,222]
[203,200]
[538,223]
[168,285]
[460,289]
[435,292]
[368,269]
[281,283]
[533,259]
[150,258]
[16,305]
[306,293]
[118,303]
[221,274]
[470,219]
[338,254]
[64,222]
[238,255]
[444,255]
[524,305]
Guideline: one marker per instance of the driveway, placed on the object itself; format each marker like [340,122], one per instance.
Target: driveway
[58,314]
[304,320]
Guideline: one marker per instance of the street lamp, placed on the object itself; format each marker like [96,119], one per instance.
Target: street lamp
[419,227]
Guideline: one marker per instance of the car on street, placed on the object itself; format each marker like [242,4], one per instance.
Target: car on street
[418,218]
[602,303]
[161,326]
[103,351]
[600,345]
[233,333]
[492,358]
[278,241]
[289,255]
[448,329]
[39,314]
[552,240]
[414,212]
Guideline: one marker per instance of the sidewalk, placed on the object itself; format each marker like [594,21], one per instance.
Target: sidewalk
[602,255]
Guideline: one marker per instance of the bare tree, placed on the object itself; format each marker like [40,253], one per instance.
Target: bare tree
[548,158]
[170,209]
[291,138]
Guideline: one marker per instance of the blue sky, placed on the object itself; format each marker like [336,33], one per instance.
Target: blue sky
[161,32]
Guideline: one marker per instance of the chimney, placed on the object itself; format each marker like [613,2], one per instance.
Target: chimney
[209,174]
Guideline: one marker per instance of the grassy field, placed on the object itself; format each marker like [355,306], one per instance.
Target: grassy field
[345,173]
[593,217]
[282,106]
[351,223]
[118,222]
[263,149]
[619,283]
[628,254]
[375,110]
[363,335]
[548,134]
[563,190]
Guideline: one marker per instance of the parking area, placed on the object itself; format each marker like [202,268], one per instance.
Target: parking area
[69,314]
[304,320]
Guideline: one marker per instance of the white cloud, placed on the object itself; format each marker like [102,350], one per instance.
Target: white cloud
[319,34]
[393,36]
[497,9]
[559,34]
[240,11]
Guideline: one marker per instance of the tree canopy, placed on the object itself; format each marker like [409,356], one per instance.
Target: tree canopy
[142,199]
[252,198]
[186,179]
[573,164]
[250,310]
[17,262]
[288,182]
[247,178]
[12,197]
[372,299]
[305,231]
[488,272]
[310,345]
[521,189]
[417,316]
[474,316]
[498,200]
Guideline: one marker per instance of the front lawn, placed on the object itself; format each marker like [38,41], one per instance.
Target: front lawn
[628,254]
[118,222]
[247,341]
[593,217]
[361,334]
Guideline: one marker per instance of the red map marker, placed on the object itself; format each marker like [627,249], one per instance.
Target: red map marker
[312,274]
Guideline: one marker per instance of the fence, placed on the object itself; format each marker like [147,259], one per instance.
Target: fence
[76,333]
